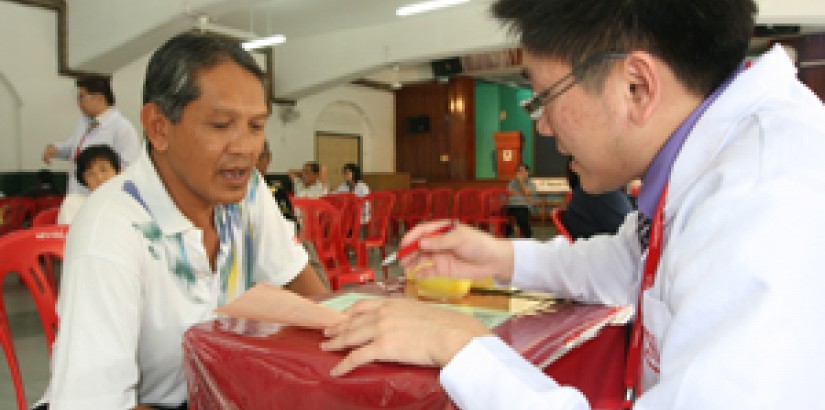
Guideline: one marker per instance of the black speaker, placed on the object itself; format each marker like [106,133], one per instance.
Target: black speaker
[446,67]
[776,30]
[418,124]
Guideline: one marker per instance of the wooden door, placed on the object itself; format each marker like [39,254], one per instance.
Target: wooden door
[334,150]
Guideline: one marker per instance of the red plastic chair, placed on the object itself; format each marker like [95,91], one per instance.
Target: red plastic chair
[416,207]
[31,253]
[48,201]
[494,210]
[441,203]
[468,207]
[14,212]
[380,205]
[557,215]
[46,217]
[397,214]
[11,359]
[349,209]
[321,226]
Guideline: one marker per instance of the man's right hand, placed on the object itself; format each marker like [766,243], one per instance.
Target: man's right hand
[463,252]
[49,153]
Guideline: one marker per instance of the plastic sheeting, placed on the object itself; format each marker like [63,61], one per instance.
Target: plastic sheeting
[243,364]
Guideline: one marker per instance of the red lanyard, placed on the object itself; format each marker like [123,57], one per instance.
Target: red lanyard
[632,374]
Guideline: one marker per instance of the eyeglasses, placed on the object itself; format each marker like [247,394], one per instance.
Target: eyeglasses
[535,104]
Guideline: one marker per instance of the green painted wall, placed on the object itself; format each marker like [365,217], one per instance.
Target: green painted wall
[491,100]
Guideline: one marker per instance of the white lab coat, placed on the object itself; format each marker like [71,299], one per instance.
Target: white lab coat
[735,310]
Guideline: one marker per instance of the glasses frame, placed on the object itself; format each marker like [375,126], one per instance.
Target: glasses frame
[534,106]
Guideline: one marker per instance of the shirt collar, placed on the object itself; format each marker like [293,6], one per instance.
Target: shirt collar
[656,176]
[145,186]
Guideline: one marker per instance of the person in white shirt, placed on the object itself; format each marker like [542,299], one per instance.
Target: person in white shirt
[729,279]
[354,184]
[309,183]
[95,165]
[187,228]
[101,123]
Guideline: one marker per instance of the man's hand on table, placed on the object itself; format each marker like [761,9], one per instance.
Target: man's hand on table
[400,330]
[463,252]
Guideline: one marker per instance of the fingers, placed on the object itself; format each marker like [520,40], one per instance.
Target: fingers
[356,358]
[422,230]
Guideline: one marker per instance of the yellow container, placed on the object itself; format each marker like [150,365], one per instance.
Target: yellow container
[440,287]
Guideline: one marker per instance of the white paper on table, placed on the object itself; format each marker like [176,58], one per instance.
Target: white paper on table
[270,303]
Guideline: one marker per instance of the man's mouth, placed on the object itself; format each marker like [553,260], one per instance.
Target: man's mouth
[235,175]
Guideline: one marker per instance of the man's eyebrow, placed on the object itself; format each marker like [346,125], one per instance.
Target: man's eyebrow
[233,112]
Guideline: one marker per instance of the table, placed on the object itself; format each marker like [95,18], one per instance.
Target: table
[241,364]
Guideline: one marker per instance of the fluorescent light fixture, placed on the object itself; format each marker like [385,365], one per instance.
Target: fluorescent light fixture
[263,42]
[426,6]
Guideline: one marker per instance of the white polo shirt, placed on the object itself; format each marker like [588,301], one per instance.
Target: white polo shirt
[136,276]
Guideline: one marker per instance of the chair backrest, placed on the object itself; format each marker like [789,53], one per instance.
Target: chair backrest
[31,253]
[416,204]
[321,227]
[441,203]
[14,211]
[350,212]
[48,201]
[468,206]
[46,217]
[557,214]
[495,202]
[380,205]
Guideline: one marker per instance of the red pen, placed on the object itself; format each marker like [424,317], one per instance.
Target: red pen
[406,250]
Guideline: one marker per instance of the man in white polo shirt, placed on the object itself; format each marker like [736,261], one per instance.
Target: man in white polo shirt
[187,228]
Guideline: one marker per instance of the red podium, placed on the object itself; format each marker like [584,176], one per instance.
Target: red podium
[508,153]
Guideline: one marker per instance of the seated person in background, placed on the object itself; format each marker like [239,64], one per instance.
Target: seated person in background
[95,165]
[353,184]
[593,214]
[309,184]
[179,233]
[278,191]
[522,199]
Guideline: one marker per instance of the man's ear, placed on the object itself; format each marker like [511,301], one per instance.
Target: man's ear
[644,87]
[156,126]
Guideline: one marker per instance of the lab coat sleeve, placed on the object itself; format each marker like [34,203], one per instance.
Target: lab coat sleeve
[603,269]
[487,374]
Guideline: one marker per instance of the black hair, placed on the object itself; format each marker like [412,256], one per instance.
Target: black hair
[92,153]
[172,74]
[355,169]
[314,167]
[572,177]
[702,41]
[97,84]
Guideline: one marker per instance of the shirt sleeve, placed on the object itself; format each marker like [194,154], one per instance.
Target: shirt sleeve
[126,142]
[603,269]
[65,148]
[487,374]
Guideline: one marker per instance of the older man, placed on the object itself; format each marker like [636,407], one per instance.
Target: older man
[187,228]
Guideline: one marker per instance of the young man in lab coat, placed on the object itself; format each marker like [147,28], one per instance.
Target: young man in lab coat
[658,90]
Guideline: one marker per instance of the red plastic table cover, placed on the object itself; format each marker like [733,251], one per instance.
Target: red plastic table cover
[243,364]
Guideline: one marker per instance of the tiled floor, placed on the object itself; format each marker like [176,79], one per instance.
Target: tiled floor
[30,344]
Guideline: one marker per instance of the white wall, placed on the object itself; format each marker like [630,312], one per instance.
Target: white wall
[49,111]
[331,110]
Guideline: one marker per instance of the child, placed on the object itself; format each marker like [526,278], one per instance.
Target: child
[95,165]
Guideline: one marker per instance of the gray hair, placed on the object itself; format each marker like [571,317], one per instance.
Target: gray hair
[172,74]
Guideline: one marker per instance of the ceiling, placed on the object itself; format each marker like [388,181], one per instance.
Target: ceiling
[306,18]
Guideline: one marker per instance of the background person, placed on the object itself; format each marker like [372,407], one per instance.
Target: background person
[354,184]
[522,200]
[182,231]
[308,183]
[101,123]
[731,162]
[278,192]
[592,214]
[95,165]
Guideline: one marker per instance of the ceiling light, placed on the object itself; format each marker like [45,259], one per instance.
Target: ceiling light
[425,6]
[263,42]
